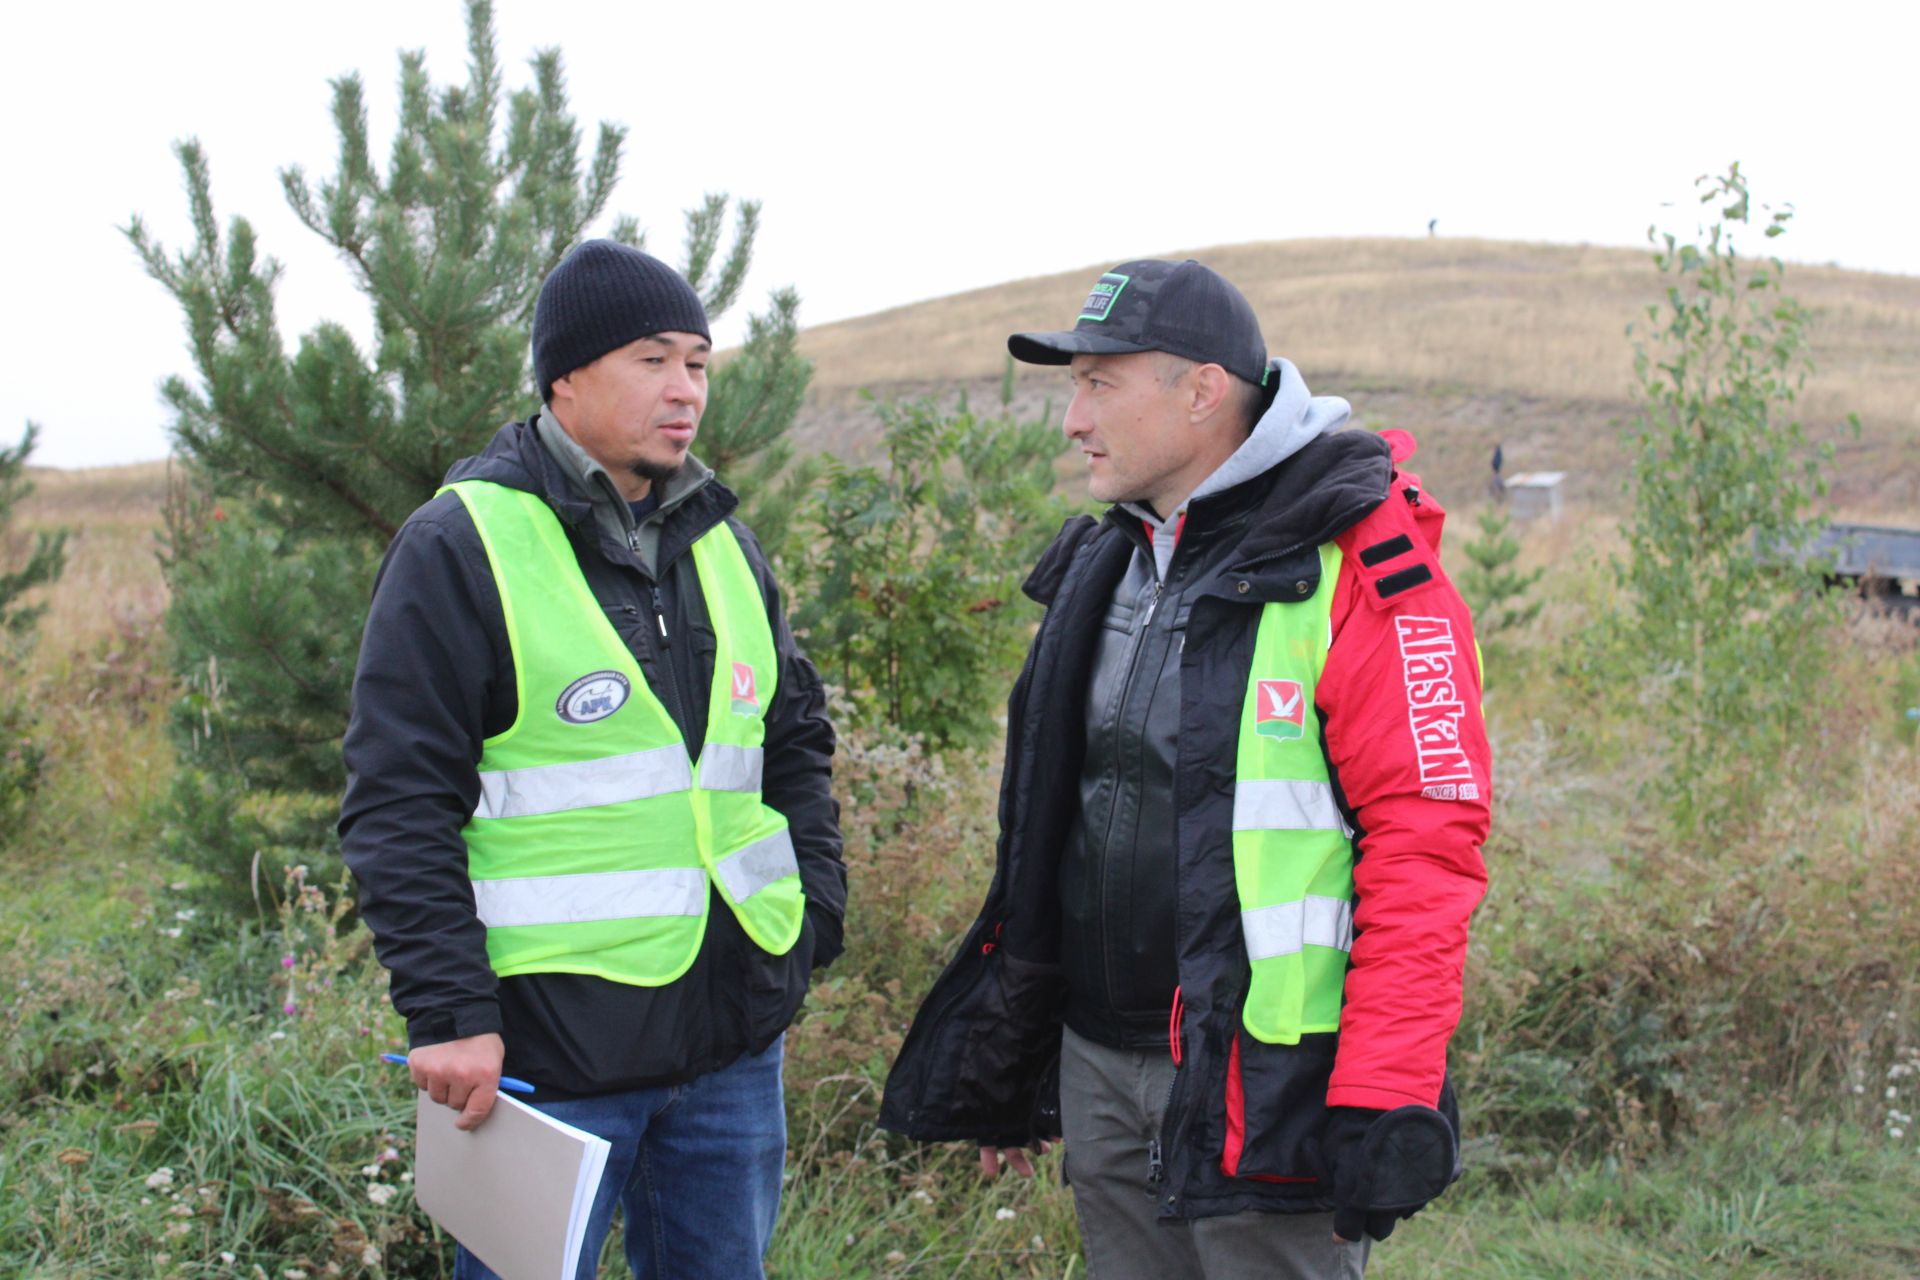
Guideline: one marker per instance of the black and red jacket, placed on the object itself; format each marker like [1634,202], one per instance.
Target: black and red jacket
[980,1062]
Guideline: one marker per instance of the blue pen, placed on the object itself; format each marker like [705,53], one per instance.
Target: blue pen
[509,1083]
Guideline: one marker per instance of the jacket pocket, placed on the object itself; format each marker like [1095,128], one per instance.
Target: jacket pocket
[1276,1102]
[1012,1035]
[976,1060]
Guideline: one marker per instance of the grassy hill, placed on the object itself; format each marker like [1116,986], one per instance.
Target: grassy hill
[1463,342]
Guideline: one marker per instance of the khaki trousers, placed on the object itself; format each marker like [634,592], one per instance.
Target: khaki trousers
[1111,1104]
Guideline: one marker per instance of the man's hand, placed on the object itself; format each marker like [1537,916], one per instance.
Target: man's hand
[462,1074]
[1015,1158]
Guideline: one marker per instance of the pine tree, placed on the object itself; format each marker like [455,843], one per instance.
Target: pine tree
[22,754]
[1490,584]
[302,466]
[43,562]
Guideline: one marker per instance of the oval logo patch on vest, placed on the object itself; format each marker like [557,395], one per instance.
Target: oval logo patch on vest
[593,697]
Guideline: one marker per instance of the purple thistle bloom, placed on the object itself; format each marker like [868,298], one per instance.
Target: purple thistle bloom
[286,961]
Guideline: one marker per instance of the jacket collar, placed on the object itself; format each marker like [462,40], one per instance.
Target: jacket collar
[582,494]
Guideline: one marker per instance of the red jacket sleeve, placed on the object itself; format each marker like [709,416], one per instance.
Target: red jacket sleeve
[1401,699]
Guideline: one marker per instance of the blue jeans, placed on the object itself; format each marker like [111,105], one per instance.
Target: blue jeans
[697,1167]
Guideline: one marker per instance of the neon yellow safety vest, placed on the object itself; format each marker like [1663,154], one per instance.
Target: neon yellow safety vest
[1292,847]
[596,837]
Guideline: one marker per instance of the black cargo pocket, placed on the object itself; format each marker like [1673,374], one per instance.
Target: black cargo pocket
[1276,1100]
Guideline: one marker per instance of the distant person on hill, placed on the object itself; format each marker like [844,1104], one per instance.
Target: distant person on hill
[1497,487]
[1245,790]
[589,803]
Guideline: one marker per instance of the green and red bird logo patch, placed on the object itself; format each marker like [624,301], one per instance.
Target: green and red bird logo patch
[745,701]
[1280,709]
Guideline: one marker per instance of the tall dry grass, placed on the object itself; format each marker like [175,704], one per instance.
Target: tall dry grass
[112,581]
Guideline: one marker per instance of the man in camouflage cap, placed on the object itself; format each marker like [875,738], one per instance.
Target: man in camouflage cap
[1245,790]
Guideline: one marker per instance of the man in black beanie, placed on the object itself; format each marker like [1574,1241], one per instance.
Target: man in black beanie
[589,803]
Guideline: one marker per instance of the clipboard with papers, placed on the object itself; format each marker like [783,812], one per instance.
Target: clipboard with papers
[516,1192]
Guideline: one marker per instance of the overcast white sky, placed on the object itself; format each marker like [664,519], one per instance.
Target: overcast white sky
[908,151]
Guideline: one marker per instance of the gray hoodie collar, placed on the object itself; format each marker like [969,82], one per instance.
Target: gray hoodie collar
[1294,417]
[590,480]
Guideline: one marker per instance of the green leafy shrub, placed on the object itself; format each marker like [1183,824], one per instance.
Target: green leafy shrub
[907,578]
[1725,643]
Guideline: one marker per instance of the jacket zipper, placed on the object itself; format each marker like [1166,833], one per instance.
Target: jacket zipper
[1113,805]
[660,648]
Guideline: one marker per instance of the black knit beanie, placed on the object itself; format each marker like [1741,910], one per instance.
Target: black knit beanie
[603,296]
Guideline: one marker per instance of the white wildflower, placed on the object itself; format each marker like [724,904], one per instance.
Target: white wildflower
[1896,1133]
[277,1035]
[922,1195]
[171,933]
[369,1170]
[1003,1215]
[370,1256]
[160,1179]
[380,1192]
[185,914]
[226,1256]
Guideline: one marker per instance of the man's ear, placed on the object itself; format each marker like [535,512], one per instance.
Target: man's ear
[1211,386]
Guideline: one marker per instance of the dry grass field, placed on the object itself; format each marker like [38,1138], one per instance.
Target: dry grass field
[1463,342]
[112,582]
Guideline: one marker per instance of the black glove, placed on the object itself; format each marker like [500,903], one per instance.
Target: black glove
[1383,1165]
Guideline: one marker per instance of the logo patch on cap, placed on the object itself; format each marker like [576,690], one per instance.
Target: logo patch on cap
[1106,292]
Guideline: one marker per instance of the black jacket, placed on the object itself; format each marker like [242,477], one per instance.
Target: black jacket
[1117,941]
[435,679]
[981,1060]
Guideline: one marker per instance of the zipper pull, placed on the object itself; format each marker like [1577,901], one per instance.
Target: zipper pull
[1156,1168]
[660,616]
[1153,604]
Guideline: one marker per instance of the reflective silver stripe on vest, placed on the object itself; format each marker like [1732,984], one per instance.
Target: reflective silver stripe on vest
[603,895]
[1281,930]
[1286,804]
[584,784]
[747,871]
[729,768]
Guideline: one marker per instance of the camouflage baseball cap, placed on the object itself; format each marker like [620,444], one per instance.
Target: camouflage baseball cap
[1154,305]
